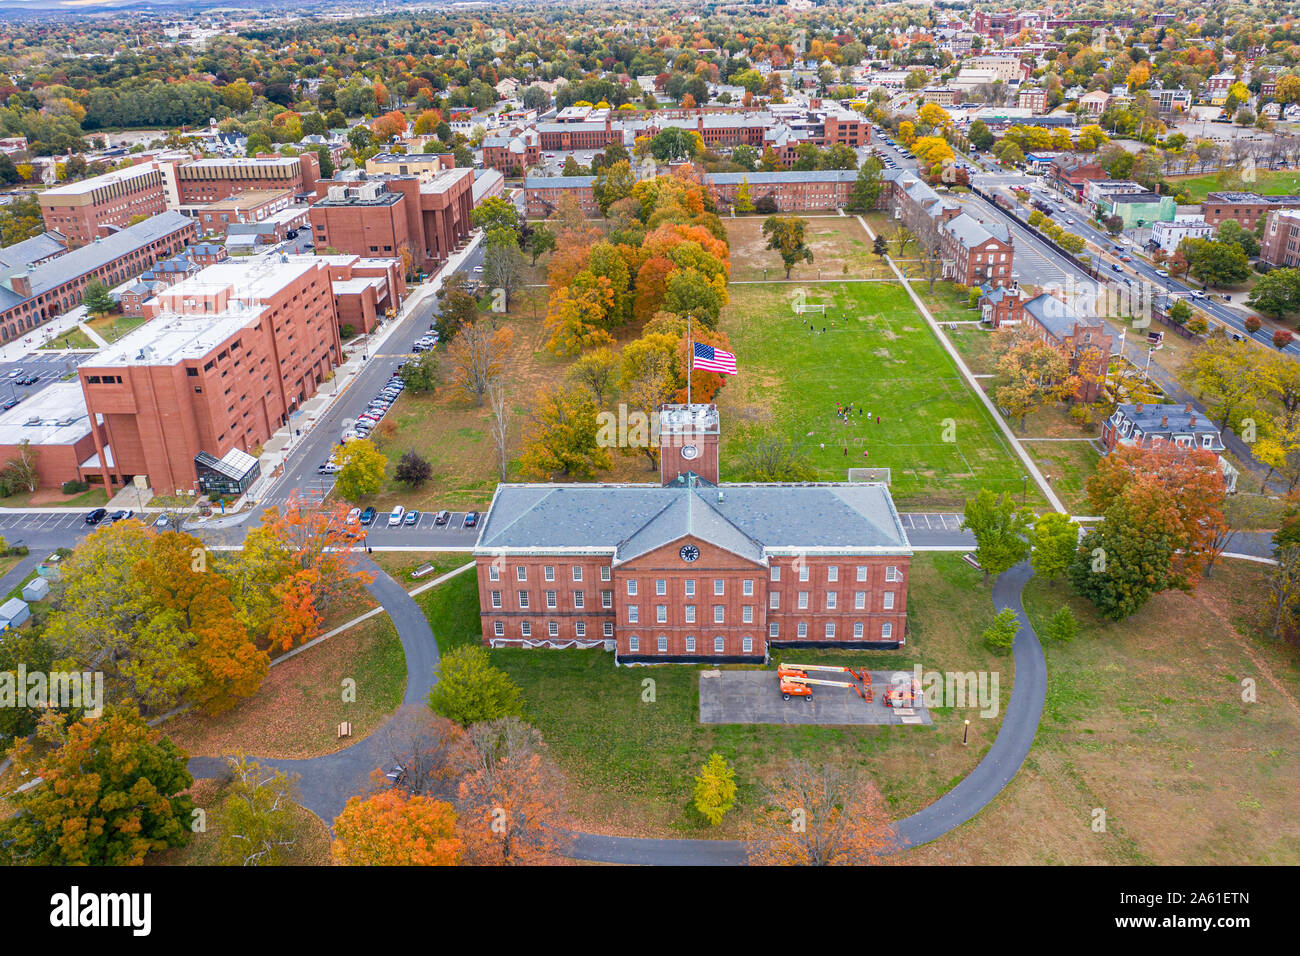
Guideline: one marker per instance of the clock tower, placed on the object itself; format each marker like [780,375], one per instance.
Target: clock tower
[688,441]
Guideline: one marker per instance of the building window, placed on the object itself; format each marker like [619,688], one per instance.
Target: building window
[776,572]
[553,628]
[549,572]
[690,614]
[631,588]
[832,598]
[748,589]
[607,599]
[830,630]
[633,644]
[774,600]
[663,644]
[719,586]
[832,573]
[747,645]
[690,643]
[803,629]
[719,644]
[550,600]
[523,599]
[579,600]
[577,572]
[719,613]
[893,574]
[690,588]
[803,600]
[496,599]
[661,613]
[499,628]
[889,600]
[886,630]
[604,573]
[494,573]
[857,630]
[773,629]
[661,587]
[633,612]
[521,573]
[747,614]
[803,573]
[580,629]
[526,628]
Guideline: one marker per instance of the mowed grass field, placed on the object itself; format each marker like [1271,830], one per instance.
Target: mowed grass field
[1268,182]
[629,762]
[1145,720]
[841,249]
[877,352]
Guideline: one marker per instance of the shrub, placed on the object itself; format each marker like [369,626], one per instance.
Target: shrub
[1282,338]
[1253,324]
[1001,634]
[1062,626]
[346,331]
[75,487]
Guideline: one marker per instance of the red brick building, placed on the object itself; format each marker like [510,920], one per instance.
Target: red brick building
[1086,340]
[975,253]
[32,295]
[1281,243]
[793,190]
[381,216]
[1072,175]
[92,208]
[210,180]
[543,194]
[690,569]
[227,356]
[1245,208]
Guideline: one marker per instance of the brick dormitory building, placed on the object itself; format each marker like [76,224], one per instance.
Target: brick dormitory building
[692,569]
[226,357]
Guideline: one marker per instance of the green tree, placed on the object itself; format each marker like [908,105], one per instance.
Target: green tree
[1062,626]
[1277,293]
[496,213]
[362,471]
[715,789]
[541,240]
[1122,562]
[867,187]
[420,374]
[1215,263]
[470,690]
[1054,539]
[612,184]
[785,235]
[96,298]
[979,135]
[256,822]
[1001,530]
[110,794]
[1001,634]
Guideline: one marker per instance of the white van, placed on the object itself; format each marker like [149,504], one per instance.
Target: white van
[395,516]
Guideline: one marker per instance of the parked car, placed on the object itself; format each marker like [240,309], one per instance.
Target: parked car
[120,515]
[330,467]
[1162,273]
[9,404]
[412,517]
[96,516]
[163,523]
[395,517]
[353,516]
[368,516]
[442,517]
[471,519]
[1198,294]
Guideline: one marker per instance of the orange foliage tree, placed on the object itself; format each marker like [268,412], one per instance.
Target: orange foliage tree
[392,829]
[820,816]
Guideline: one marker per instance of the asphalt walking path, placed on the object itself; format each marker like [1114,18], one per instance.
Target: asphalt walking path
[326,783]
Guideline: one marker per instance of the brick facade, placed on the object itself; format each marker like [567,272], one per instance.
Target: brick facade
[90,209]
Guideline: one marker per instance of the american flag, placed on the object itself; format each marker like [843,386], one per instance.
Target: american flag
[709,359]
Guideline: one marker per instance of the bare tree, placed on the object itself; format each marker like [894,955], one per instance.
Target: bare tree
[477,357]
[425,752]
[500,427]
[1284,588]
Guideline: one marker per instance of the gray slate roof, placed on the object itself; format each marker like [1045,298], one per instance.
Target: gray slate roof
[750,520]
[970,232]
[785,176]
[22,254]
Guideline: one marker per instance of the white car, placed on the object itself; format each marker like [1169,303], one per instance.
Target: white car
[395,516]
[1162,273]
[1197,294]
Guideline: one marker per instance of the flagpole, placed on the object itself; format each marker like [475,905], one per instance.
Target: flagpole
[690,359]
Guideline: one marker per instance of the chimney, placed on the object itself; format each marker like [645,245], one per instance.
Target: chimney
[1139,408]
[1164,421]
[1193,421]
[1188,408]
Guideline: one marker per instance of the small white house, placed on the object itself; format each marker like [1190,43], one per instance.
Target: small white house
[13,613]
[36,589]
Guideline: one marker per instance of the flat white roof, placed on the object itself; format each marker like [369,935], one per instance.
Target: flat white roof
[88,185]
[56,415]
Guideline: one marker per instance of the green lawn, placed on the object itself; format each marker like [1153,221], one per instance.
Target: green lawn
[1067,466]
[1268,182]
[112,328]
[879,354]
[629,762]
[73,338]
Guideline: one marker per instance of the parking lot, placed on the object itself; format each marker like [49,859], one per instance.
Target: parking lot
[754,697]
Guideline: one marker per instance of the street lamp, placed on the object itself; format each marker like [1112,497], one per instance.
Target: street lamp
[1024,491]
[965,732]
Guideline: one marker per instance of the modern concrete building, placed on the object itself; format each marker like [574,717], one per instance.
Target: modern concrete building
[93,208]
[210,180]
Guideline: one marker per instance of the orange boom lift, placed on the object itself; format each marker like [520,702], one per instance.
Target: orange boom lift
[795,681]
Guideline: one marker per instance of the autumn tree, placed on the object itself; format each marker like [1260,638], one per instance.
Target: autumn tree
[577,315]
[469,689]
[477,357]
[1036,374]
[256,824]
[429,749]
[598,372]
[715,789]
[1001,531]
[361,470]
[111,793]
[612,184]
[785,235]
[562,439]
[772,457]
[509,799]
[413,469]
[503,263]
[392,829]
[647,381]
[820,816]
[1231,378]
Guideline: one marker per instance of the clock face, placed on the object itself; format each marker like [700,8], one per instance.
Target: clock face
[689,452]
[689,552]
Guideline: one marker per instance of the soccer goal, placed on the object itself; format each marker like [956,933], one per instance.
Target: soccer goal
[806,308]
[870,474]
